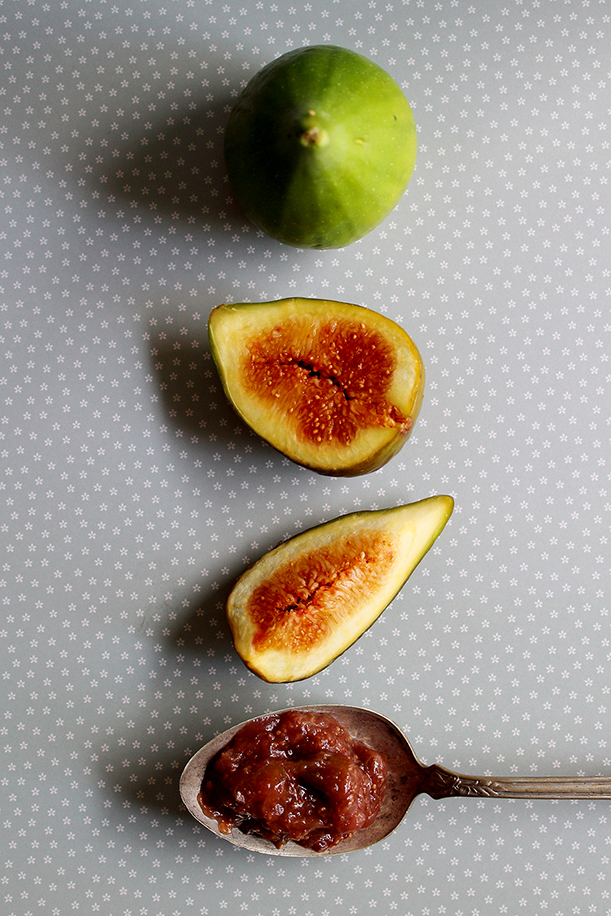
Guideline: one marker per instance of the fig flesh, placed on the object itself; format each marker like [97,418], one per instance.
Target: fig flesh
[335,387]
[320,147]
[304,603]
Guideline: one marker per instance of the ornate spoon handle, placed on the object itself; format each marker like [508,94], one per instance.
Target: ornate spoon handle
[442,783]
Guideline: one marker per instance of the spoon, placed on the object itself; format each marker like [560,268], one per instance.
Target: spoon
[407,778]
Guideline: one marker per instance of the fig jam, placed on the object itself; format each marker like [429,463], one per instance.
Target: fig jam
[296,775]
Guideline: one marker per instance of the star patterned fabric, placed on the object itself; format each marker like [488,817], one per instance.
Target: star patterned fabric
[132,496]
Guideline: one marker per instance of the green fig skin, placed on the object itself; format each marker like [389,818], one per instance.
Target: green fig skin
[307,601]
[320,147]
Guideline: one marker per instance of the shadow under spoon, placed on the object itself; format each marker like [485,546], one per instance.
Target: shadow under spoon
[406,779]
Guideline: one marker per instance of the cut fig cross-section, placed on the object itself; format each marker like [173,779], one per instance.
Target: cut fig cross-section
[306,601]
[335,387]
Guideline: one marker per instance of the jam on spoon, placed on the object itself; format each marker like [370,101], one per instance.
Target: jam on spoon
[296,775]
[406,778]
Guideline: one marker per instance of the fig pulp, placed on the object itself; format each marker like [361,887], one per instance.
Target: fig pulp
[305,602]
[320,147]
[335,387]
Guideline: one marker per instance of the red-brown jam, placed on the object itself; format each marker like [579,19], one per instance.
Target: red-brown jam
[296,775]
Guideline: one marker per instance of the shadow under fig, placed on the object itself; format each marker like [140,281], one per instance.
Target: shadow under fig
[191,392]
[203,626]
[177,167]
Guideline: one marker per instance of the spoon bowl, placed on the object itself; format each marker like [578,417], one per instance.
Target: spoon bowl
[407,778]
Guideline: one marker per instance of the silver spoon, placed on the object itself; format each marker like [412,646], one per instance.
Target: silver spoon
[406,779]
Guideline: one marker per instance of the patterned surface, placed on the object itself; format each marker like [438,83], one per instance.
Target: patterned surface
[132,497]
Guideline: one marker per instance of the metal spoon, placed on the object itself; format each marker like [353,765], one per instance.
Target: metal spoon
[406,779]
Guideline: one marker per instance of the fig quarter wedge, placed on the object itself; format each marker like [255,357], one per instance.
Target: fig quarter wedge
[334,387]
[306,601]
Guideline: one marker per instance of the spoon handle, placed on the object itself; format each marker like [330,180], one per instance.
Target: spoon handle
[442,783]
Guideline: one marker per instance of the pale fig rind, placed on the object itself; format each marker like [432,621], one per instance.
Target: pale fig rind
[333,386]
[309,599]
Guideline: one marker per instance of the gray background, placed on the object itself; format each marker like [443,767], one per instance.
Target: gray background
[132,496]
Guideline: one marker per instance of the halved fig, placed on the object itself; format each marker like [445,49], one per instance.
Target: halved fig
[305,602]
[335,387]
